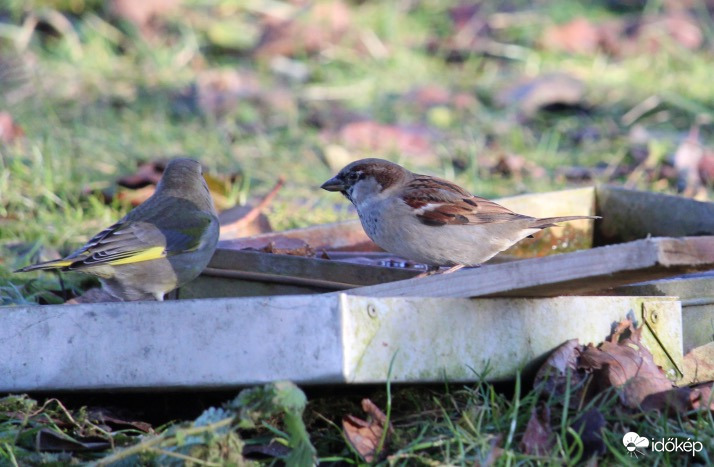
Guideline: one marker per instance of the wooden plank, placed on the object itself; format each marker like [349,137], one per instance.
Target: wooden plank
[251,273]
[581,272]
[310,339]
[629,215]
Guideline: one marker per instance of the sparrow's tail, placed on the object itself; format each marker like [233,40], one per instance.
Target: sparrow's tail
[54,264]
[551,221]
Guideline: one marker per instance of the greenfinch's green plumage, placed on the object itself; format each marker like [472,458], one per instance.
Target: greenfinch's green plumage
[159,246]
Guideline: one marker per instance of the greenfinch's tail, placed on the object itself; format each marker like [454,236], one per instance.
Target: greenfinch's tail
[54,264]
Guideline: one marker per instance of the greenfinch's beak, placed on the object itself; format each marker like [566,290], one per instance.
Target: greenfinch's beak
[333,184]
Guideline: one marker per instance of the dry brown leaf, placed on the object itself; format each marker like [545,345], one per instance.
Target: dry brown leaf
[133,197]
[372,136]
[275,244]
[105,416]
[655,32]
[9,130]
[365,435]
[552,376]
[577,36]
[625,363]
[244,221]
[542,92]
[148,173]
[143,13]
[494,454]
[315,28]
[538,437]
[681,400]
[699,364]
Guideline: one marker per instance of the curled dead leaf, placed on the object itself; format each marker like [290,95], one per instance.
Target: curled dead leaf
[623,362]
[9,130]
[366,435]
[538,437]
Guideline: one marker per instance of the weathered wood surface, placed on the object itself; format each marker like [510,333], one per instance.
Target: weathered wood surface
[629,215]
[243,273]
[329,338]
[580,272]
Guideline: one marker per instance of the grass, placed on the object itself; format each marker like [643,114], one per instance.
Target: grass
[94,96]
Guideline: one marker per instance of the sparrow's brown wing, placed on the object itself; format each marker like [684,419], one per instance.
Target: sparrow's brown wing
[439,202]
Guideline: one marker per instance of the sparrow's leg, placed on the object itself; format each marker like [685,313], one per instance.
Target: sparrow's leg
[453,269]
[430,270]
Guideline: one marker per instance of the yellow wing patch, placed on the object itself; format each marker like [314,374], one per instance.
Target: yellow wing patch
[142,255]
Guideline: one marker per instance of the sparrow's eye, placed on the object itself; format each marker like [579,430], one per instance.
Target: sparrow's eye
[352,176]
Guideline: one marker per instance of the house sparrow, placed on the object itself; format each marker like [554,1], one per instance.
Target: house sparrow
[428,219]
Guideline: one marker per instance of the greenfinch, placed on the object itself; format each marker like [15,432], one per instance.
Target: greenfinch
[158,246]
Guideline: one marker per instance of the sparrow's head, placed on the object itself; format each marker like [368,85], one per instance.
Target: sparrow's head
[366,178]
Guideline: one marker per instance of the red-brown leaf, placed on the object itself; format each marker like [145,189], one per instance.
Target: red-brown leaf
[538,437]
[365,435]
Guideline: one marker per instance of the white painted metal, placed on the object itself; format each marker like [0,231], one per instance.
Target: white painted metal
[335,338]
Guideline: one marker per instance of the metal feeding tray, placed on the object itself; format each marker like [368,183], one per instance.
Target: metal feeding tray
[310,339]
[231,328]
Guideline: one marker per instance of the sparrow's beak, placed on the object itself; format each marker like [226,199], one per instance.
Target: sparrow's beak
[333,184]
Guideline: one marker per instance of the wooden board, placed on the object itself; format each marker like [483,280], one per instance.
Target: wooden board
[240,273]
[581,272]
[630,215]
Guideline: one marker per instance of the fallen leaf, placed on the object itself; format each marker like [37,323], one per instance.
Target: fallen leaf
[517,167]
[626,364]
[561,365]
[538,437]
[105,416]
[699,364]
[542,92]
[494,454]
[469,35]
[218,92]
[655,32]
[365,435]
[577,36]
[372,136]
[9,130]
[244,221]
[314,28]
[132,197]
[143,13]
[148,173]
[679,401]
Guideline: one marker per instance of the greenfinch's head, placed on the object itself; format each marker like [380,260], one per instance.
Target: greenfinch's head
[183,178]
